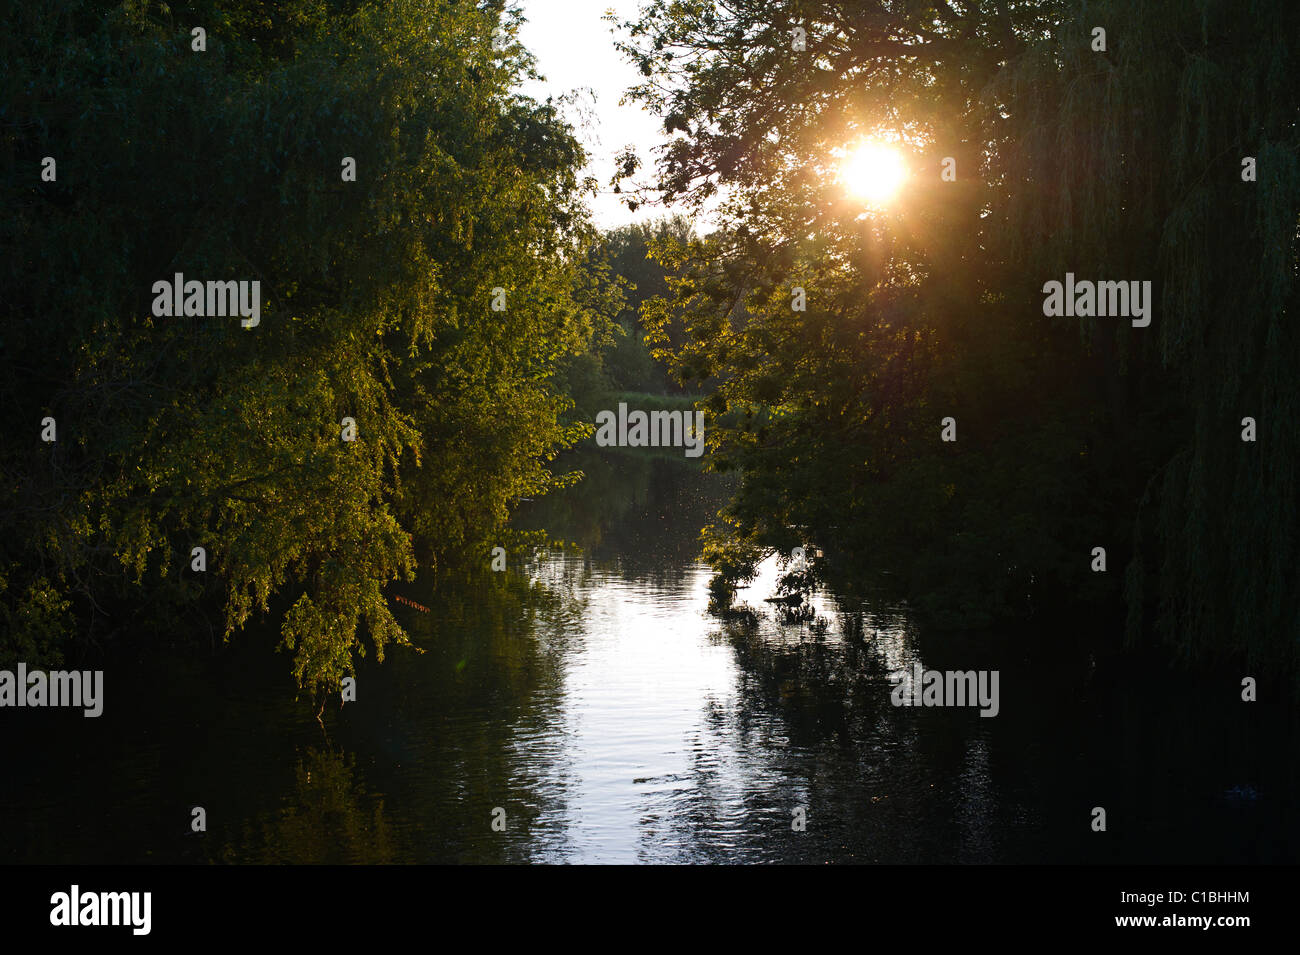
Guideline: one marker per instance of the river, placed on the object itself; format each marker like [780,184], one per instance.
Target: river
[586,708]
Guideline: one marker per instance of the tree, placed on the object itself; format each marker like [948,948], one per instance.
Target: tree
[376,306]
[1119,164]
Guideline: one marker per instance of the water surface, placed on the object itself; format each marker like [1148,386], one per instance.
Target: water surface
[590,704]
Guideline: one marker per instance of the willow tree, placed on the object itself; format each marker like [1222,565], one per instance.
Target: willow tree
[377,172]
[1114,157]
[1176,155]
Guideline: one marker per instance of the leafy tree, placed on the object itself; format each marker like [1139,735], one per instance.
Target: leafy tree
[1071,433]
[182,432]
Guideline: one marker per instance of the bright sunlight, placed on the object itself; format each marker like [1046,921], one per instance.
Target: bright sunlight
[873,172]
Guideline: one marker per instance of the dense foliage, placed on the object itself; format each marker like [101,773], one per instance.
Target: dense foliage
[226,164]
[1122,164]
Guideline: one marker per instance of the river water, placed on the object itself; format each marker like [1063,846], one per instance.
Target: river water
[586,708]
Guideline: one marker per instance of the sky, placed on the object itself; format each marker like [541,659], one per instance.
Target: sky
[574,48]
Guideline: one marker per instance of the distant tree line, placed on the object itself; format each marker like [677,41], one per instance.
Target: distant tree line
[622,261]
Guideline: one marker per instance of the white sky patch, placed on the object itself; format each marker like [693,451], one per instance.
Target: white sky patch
[575,50]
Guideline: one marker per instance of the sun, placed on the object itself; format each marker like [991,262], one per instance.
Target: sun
[873,172]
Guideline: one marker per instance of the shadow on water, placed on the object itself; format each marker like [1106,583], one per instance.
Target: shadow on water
[591,709]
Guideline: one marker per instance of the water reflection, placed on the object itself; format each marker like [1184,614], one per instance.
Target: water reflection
[328,819]
[593,702]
